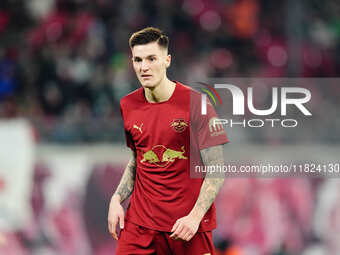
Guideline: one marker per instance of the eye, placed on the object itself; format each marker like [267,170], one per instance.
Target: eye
[137,60]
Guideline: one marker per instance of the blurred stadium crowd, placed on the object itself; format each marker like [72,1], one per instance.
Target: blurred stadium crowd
[65,64]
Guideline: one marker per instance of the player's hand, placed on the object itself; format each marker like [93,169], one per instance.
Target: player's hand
[116,214]
[185,228]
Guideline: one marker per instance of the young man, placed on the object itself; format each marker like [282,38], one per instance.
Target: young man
[169,212]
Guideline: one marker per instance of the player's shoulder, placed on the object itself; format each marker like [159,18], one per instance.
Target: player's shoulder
[195,95]
[182,86]
[132,98]
[189,89]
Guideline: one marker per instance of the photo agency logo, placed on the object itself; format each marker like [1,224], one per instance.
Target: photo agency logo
[281,97]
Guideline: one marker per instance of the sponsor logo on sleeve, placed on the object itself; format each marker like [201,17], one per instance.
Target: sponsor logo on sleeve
[215,128]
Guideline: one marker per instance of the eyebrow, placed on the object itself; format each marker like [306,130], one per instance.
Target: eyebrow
[153,55]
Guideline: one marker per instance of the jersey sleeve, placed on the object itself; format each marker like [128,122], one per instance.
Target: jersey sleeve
[128,137]
[209,131]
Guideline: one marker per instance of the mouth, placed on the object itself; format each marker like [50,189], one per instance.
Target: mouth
[146,76]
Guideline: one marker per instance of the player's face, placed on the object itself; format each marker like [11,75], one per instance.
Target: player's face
[150,62]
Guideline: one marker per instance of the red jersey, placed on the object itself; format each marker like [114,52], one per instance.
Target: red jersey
[160,135]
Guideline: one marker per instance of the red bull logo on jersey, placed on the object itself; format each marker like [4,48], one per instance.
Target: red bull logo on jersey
[161,156]
[150,157]
[179,125]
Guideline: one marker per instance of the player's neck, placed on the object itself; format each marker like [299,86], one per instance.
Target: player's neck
[160,93]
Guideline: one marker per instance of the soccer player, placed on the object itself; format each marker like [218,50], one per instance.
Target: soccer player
[169,212]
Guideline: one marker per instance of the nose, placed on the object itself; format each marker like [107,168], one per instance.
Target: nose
[144,66]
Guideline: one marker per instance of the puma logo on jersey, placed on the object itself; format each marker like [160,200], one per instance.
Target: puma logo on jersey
[138,128]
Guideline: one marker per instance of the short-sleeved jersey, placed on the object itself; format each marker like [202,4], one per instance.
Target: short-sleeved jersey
[160,135]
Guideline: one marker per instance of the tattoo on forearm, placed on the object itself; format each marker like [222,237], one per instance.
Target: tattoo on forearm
[211,185]
[126,184]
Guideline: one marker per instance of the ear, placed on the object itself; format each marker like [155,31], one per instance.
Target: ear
[168,60]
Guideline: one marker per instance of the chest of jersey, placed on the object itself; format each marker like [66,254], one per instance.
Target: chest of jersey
[160,133]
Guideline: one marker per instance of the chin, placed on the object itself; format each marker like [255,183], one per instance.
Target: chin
[148,85]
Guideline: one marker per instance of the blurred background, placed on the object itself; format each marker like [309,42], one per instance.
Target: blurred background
[65,64]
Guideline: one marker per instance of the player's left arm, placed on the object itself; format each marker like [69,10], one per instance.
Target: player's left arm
[186,227]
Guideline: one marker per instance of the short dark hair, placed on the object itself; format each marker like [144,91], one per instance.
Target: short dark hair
[148,35]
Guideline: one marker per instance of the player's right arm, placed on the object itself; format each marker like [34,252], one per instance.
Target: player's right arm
[124,190]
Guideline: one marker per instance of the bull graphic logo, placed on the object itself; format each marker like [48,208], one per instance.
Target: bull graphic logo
[160,151]
[150,157]
[170,155]
[179,125]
